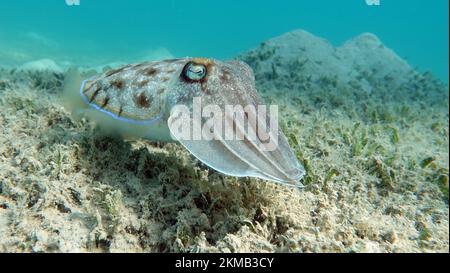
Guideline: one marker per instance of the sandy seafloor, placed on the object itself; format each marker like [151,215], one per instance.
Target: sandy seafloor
[371,131]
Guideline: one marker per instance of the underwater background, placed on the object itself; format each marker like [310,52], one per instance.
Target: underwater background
[365,107]
[117,30]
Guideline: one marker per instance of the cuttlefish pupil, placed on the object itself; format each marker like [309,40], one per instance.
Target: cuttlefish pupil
[194,72]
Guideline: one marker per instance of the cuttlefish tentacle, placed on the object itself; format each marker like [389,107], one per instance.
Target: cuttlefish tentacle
[144,94]
[279,159]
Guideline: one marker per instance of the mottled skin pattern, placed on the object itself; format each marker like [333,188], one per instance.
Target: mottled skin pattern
[135,92]
[145,93]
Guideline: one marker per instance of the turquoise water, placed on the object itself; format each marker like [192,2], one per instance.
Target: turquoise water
[117,30]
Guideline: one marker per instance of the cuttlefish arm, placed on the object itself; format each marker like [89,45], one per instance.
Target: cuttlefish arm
[232,84]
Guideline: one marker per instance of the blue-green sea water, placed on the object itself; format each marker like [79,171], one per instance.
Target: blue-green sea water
[99,31]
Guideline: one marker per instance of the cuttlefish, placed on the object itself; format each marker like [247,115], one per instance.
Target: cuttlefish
[141,98]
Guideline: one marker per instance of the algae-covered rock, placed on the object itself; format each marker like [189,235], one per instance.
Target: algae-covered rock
[301,56]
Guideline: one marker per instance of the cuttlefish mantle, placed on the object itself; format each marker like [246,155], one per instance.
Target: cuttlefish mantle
[144,95]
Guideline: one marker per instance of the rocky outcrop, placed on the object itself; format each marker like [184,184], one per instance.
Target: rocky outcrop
[305,59]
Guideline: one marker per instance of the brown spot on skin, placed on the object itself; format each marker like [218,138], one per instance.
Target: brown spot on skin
[143,83]
[99,87]
[225,77]
[150,71]
[142,101]
[171,70]
[165,79]
[105,102]
[119,84]
[160,91]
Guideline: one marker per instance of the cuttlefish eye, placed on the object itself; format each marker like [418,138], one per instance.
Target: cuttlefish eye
[194,72]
